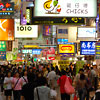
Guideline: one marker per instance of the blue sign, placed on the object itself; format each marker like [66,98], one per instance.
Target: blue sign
[36,51]
[62,41]
[87,47]
[2,55]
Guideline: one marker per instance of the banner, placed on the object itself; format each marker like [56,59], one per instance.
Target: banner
[97,54]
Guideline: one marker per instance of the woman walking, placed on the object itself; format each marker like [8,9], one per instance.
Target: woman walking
[8,86]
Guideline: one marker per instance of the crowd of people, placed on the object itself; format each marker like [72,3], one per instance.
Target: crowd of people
[45,82]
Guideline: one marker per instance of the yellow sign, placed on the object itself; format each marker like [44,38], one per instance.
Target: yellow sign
[31,46]
[66,48]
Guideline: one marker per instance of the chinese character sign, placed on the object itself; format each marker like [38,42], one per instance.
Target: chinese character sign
[87,48]
[2,55]
[6,10]
[65,8]
[36,51]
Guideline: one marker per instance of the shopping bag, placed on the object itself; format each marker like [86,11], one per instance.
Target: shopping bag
[75,97]
[69,89]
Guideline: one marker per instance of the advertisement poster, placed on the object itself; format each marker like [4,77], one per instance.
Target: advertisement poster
[65,8]
[2,46]
[67,49]
[87,47]
[25,31]
[7,29]
[47,30]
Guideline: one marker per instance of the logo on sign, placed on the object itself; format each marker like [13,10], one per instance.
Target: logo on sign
[24,28]
[2,26]
[63,48]
[52,7]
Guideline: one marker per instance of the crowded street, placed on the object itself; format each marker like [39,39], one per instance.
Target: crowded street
[49,49]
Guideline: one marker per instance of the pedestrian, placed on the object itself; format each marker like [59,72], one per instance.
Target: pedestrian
[81,87]
[8,86]
[61,83]
[43,92]
[17,86]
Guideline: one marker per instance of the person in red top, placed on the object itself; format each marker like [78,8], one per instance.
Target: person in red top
[61,83]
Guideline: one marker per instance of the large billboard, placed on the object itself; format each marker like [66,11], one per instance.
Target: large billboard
[87,47]
[25,31]
[66,48]
[65,8]
[6,29]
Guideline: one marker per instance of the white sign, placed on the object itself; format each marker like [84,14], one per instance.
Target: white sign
[25,31]
[65,8]
[86,32]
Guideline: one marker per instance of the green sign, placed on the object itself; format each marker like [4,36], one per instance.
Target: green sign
[2,45]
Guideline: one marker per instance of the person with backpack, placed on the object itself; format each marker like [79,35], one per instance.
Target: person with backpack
[17,86]
[61,82]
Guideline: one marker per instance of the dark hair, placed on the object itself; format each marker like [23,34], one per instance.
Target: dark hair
[81,70]
[42,81]
[82,77]
[52,68]
[63,72]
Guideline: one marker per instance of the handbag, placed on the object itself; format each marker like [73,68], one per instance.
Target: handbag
[69,89]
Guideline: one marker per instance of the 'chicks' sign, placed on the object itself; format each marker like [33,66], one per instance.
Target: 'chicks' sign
[65,8]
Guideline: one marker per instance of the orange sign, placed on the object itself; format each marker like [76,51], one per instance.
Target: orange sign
[66,48]
[6,29]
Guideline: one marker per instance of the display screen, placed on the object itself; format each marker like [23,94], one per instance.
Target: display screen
[65,8]
[87,47]
[86,32]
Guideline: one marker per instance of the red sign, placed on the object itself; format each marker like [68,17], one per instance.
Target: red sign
[63,48]
[52,58]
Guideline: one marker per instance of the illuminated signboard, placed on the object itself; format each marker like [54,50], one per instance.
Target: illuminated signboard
[25,31]
[28,15]
[6,10]
[87,47]
[65,8]
[36,51]
[2,55]
[46,30]
[66,49]
[57,21]
[9,45]
[62,41]
[26,51]
[97,50]
[2,46]
[86,32]
[7,29]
